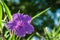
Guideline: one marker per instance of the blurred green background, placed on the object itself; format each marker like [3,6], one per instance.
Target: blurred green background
[49,19]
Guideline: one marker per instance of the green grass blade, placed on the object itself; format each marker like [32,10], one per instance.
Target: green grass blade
[5,35]
[8,12]
[0,16]
[12,37]
[30,37]
[40,13]
[57,31]
[0,38]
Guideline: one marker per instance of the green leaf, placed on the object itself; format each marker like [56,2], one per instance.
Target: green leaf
[30,37]
[8,12]
[53,31]
[6,35]
[0,16]
[0,38]
[49,34]
[57,31]
[12,37]
[40,13]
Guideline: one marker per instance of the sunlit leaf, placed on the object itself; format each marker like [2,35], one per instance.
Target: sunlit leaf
[12,37]
[8,12]
[0,38]
[0,16]
[5,35]
[57,31]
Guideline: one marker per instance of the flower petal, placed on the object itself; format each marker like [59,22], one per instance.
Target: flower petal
[17,16]
[27,18]
[29,28]
[20,24]
[20,31]
[11,25]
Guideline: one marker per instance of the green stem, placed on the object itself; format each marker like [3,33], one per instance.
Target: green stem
[40,13]
[30,36]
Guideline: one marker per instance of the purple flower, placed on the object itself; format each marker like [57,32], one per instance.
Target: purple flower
[20,24]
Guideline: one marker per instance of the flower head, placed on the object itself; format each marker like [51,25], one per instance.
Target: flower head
[20,24]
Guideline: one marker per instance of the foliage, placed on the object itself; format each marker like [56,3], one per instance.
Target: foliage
[41,32]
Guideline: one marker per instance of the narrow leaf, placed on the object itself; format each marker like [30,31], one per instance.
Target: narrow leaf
[12,37]
[57,31]
[40,13]
[8,12]
[30,37]
[6,35]
[0,16]
[0,38]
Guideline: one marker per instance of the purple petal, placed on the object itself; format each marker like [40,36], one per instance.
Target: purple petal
[27,18]
[20,24]
[17,16]
[11,25]
[29,28]
[20,31]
